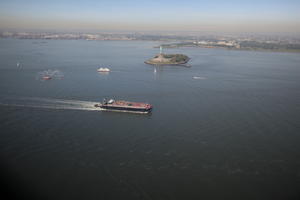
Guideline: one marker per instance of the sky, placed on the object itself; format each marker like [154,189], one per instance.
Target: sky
[154,15]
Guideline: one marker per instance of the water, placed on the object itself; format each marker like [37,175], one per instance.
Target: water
[230,133]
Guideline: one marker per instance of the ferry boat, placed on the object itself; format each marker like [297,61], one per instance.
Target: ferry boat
[103,69]
[124,106]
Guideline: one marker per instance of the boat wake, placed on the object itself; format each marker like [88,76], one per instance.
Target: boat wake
[48,103]
[50,74]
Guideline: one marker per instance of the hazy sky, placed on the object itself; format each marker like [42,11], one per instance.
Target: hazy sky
[152,15]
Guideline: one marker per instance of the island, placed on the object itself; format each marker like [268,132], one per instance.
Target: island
[168,59]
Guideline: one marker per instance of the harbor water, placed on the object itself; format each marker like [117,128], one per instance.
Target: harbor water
[227,127]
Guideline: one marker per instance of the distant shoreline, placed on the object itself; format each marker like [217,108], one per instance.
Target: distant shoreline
[245,42]
[296,48]
[245,49]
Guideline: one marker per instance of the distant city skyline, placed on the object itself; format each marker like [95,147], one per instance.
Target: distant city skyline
[165,15]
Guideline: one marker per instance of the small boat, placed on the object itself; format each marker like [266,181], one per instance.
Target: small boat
[103,69]
[46,77]
[199,77]
[124,106]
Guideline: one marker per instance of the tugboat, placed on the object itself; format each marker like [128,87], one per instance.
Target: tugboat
[124,106]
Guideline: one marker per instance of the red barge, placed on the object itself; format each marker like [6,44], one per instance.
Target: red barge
[124,106]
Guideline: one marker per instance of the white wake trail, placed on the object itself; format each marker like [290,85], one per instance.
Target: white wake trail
[49,103]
